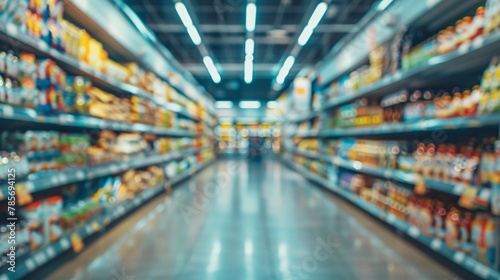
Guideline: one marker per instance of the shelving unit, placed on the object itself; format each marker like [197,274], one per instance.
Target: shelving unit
[401,176]
[39,184]
[423,69]
[50,180]
[38,258]
[10,32]
[413,232]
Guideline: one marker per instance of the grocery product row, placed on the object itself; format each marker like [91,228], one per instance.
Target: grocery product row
[89,131]
[411,56]
[239,138]
[412,137]
[48,159]
[41,83]
[52,224]
[470,239]
[414,111]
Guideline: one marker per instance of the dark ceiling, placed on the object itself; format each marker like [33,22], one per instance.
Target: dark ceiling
[221,23]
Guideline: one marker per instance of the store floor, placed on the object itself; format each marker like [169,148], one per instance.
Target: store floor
[250,220]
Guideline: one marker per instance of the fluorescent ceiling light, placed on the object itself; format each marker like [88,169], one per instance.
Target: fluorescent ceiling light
[195,36]
[382,5]
[318,14]
[249,104]
[188,22]
[272,104]
[305,35]
[183,14]
[248,71]
[249,46]
[316,17]
[212,70]
[251,17]
[223,104]
[285,69]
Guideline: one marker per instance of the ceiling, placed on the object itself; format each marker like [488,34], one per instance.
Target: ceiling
[221,24]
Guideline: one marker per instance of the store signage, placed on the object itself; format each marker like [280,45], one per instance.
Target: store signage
[301,95]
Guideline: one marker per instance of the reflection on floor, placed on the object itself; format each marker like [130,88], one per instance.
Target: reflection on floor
[250,220]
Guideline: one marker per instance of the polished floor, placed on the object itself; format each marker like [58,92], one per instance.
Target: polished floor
[250,220]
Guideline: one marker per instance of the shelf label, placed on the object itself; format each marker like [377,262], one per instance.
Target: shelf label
[11,29]
[114,168]
[459,257]
[80,175]
[391,219]
[89,229]
[50,252]
[7,111]
[54,180]
[64,243]
[30,264]
[42,46]
[482,270]
[458,189]
[478,43]
[436,244]
[96,226]
[62,178]
[413,232]
[431,3]
[40,258]
[29,186]
[76,242]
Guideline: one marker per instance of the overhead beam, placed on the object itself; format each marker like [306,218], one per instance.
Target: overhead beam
[299,9]
[240,40]
[240,28]
[261,70]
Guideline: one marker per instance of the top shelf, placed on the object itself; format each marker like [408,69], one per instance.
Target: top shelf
[477,53]
[10,32]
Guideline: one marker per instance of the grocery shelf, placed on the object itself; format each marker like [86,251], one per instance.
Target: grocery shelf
[437,245]
[441,63]
[400,128]
[306,117]
[394,174]
[8,112]
[42,256]
[10,32]
[405,177]
[49,180]
[313,155]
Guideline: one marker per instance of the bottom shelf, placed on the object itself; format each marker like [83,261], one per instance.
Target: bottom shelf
[437,245]
[42,256]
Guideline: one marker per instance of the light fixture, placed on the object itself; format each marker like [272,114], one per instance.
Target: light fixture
[285,69]
[188,23]
[251,17]
[249,46]
[272,104]
[195,36]
[318,14]
[248,71]
[223,104]
[212,70]
[384,4]
[248,67]
[305,35]
[316,17]
[249,104]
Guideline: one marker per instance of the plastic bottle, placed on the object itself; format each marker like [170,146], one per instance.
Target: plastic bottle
[465,233]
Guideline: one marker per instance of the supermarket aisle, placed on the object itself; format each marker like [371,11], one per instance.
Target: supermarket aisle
[255,221]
